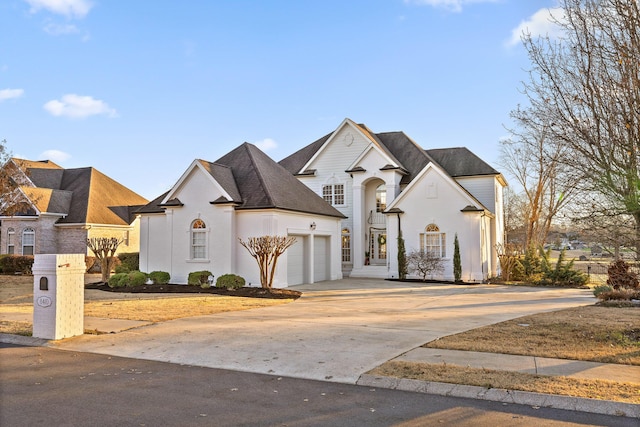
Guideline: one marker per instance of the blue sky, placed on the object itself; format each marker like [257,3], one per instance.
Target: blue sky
[138,89]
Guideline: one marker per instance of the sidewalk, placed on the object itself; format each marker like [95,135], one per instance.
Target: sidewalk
[524,364]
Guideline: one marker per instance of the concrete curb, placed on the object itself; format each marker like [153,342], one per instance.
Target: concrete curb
[593,406]
[22,340]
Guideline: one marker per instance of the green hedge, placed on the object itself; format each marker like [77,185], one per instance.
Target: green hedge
[132,278]
[160,277]
[11,264]
[198,278]
[128,262]
[230,281]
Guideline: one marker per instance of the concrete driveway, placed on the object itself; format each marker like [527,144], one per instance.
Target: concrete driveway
[337,331]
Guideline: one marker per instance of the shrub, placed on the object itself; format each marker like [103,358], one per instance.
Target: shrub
[198,278]
[621,294]
[620,276]
[136,278]
[601,289]
[160,277]
[402,258]
[457,264]
[16,264]
[230,281]
[92,264]
[118,280]
[128,262]
[562,274]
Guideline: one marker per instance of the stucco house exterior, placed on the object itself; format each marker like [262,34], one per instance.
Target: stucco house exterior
[384,183]
[197,224]
[61,208]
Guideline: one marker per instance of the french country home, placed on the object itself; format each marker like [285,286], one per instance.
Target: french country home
[386,184]
[345,198]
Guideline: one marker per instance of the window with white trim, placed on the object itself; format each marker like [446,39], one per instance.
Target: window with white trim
[333,194]
[28,241]
[198,239]
[11,236]
[381,198]
[346,245]
[433,242]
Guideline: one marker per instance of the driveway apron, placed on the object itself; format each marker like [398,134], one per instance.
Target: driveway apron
[336,331]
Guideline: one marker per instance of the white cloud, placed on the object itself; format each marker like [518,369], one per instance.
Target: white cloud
[79,107]
[266,144]
[10,94]
[55,156]
[68,8]
[451,5]
[58,30]
[540,23]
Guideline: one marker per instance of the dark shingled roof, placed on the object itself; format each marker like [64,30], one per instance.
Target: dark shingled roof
[460,161]
[457,162]
[297,160]
[83,195]
[255,181]
[263,183]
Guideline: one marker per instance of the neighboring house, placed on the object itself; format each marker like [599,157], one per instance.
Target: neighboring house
[384,182]
[64,207]
[197,224]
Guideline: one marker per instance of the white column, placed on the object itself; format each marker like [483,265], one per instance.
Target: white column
[358,234]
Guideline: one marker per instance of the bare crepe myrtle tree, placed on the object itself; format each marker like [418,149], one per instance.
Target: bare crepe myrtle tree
[424,263]
[266,250]
[104,248]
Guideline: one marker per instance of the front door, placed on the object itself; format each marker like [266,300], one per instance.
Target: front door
[378,246]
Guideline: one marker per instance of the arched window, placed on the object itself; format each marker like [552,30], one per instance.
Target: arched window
[346,245]
[28,241]
[198,239]
[381,198]
[11,237]
[433,241]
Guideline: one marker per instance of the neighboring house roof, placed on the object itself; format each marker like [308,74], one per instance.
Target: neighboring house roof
[255,181]
[80,195]
[457,162]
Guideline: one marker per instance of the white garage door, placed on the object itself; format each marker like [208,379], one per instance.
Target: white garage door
[321,258]
[295,262]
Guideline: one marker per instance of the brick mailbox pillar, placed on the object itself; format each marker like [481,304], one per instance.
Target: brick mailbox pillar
[58,295]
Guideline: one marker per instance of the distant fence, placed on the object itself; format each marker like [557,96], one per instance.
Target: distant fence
[597,271]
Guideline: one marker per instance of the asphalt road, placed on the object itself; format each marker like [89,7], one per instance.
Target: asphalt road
[44,386]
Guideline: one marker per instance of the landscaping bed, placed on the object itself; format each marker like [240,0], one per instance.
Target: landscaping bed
[248,292]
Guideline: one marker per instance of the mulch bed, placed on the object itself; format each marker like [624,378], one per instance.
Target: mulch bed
[249,292]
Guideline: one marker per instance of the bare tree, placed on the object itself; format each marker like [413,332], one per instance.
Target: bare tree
[104,248]
[266,250]
[584,88]
[515,208]
[539,167]
[12,200]
[424,263]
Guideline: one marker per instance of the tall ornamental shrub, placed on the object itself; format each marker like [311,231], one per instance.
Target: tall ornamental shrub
[457,264]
